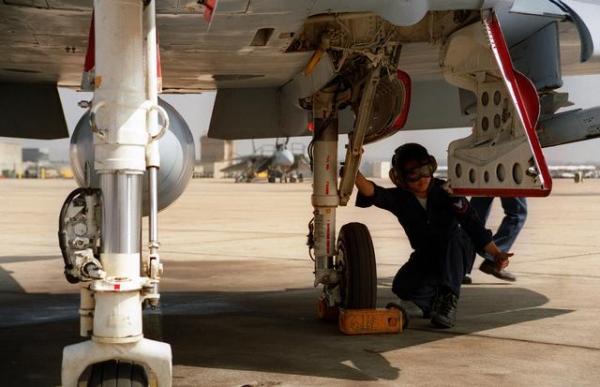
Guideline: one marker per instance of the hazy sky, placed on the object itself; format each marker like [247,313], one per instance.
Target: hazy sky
[196,109]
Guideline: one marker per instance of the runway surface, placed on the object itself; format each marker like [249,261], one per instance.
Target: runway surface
[238,306]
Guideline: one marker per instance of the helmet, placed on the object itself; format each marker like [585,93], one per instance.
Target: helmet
[411,152]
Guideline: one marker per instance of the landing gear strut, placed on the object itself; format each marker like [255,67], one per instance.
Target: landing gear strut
[347,269]
[123,118]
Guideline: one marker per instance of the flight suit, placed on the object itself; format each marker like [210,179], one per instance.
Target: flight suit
[444,237]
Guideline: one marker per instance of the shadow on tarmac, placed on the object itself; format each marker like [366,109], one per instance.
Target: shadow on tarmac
[272,331]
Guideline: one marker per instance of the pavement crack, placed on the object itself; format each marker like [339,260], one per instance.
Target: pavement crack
[511,339]
[562,257]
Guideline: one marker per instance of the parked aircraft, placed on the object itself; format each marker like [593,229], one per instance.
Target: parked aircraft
[575,172]
[278,163]
[280,68]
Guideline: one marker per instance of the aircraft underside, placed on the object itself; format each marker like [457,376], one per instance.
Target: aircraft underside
[318,68]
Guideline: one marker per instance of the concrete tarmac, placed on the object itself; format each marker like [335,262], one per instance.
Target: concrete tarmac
[238,306]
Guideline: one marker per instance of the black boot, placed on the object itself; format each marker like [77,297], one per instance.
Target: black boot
[443,314]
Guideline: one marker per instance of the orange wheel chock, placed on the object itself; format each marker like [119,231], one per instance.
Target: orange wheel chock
[370,321]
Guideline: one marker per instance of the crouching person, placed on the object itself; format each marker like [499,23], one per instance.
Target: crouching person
[443,230]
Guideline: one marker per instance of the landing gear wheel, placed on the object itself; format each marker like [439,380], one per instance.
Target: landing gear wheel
[356,264]
[117,373]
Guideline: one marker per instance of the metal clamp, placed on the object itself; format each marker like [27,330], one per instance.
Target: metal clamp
[95,108]
[149,106]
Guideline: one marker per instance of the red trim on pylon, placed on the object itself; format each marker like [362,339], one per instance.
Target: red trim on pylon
[501,192]
[91,48]
[87,76]
[525,98]
[158,66]
[209,9]
[404,78]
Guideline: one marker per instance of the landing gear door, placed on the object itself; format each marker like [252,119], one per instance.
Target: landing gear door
[502,156]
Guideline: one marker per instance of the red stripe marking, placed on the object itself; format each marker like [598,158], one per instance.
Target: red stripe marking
[501,192]
[158,66]
[209,9]
[117,286]
[328,239]
[91,48]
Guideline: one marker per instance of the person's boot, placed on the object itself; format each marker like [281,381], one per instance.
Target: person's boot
[443,314]
[467,280]
[489,267]
[412,309]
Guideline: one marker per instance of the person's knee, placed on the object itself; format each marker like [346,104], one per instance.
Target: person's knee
[520,217]
[516,216]
[399,288]
[522,210]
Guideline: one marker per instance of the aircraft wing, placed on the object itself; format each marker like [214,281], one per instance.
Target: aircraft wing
[31,110]
[526,25]
[256,163]
[243,163]
[263,164]
[254,54]
[301,163]
[236,168]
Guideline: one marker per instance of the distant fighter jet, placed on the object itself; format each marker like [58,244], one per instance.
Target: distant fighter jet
[575,172]
[282,164]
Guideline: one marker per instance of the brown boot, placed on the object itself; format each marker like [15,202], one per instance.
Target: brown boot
[488,267]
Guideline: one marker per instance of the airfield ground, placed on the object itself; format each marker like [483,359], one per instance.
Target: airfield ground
[239,307]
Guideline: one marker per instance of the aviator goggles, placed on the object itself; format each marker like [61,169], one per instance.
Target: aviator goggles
[415,174]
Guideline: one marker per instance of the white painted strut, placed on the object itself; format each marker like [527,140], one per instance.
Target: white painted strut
[121,110]
[325,193]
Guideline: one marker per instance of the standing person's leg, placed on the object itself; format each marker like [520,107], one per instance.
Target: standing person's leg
[482,206]
[515,213]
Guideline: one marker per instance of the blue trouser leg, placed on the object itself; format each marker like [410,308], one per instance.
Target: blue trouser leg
[482,205]
[515,213]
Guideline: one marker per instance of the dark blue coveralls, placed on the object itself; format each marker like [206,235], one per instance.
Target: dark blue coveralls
[444,238]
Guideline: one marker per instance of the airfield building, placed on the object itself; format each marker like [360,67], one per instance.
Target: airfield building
[215,155]
[11,161]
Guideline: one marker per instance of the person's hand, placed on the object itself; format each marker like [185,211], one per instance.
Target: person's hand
[501,259]
[446,187]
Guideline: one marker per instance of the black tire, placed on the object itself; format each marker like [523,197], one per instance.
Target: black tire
[117,373]
[356,261]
